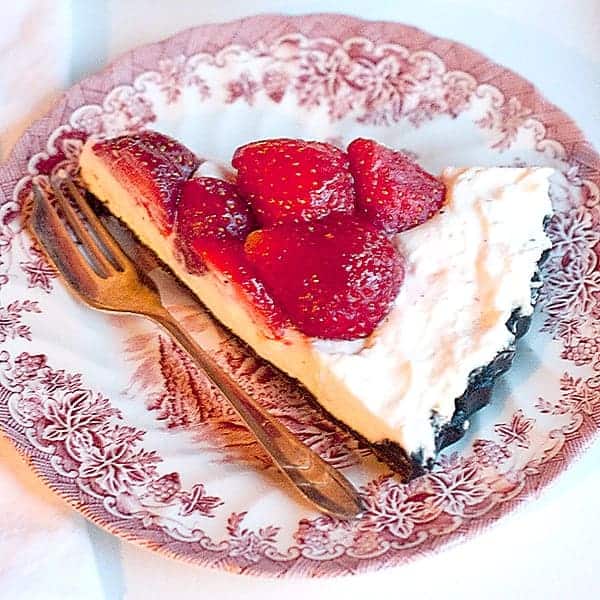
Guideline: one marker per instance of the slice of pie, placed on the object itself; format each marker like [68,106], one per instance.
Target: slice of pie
[393,296]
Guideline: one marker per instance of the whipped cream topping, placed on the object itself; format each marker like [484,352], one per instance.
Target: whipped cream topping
[467,269]
[213,168]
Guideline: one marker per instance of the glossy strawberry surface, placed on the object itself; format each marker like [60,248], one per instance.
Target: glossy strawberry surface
[293,181]
[392,191]
[228,258]
[212,208]
[153,168]
[336,279]
[209,211]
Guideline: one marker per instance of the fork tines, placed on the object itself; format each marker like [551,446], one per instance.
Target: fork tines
[103,253]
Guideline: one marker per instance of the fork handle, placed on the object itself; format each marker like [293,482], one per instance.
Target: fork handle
[317,481]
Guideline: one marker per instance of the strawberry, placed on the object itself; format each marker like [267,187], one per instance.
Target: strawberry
[153,168]
[292,181]
[228,258]
[392,191]
[211,225]
[336,279]
[209,209]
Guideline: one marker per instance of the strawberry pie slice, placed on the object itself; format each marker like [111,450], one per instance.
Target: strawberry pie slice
[394,296]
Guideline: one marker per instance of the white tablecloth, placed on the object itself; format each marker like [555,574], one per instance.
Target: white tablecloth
[547,549]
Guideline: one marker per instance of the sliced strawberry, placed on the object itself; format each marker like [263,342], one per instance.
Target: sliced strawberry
[211,224]
[153,168]
[209,209]
[392,191]
[292,181]
[336,279]
[228,258]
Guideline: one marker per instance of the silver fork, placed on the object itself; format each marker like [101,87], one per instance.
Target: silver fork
[100,273]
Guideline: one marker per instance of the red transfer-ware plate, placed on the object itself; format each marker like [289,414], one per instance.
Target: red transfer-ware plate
[115,419]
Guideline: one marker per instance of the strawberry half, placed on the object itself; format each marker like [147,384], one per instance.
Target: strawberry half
[336,279]
[209,210]
[392,191]
[228,258]
[153,168]
[211,225]
[293,181]
[211,207]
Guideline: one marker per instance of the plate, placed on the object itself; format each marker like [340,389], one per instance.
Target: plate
[115,419]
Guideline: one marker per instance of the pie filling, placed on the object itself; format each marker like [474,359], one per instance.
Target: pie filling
[466,269]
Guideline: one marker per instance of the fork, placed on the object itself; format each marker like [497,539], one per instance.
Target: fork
[99,272]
